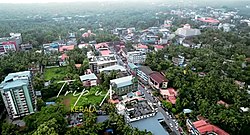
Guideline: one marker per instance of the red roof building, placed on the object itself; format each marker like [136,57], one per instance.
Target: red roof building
[64,56]
[170,94]
[204,127]
[66,48]
[208,20]
[105,52]
[101,45]
[157,80]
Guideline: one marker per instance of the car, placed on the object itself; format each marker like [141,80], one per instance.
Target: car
[171,125]
[174,120]
[167,113]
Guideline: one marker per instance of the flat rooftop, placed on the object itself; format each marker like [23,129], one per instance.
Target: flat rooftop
[151,124]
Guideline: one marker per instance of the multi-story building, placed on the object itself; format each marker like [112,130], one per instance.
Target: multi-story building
[18,94]
[157,81]
[136,57]
[99,62]
[143,73]
[124,85]
[11,43]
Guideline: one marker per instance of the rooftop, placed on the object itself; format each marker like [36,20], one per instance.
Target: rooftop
[105,52]
[151,124]
[66,47]
[158,77]
[17,74]
[121,82]
[113,67]
[145,69]
[132,66]
[91,76]
[13,84]
[204,127]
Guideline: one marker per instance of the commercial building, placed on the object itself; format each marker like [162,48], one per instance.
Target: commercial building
[99,62]
[143,73]
[136,57]
[18,94]
[124,85]
[8,44]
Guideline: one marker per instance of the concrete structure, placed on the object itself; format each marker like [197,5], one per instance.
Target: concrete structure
[143,73]
[124,85]
[99,62]
[18,94]
[136,57]
[89,80]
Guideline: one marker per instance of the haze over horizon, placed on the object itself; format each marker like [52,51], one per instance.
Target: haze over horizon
[62,1]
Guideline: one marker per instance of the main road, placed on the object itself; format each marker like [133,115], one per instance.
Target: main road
[169,119]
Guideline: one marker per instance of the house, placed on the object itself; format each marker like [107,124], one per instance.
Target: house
[158,47]
[202,127]
[66,48]
[101,45]
[141,47]
[50,48]
[105,52]
[83,46]
[124,85]
[221,102]
[178,61]
[143,73]
[89,80]
[169,94]
[25,47]
[99,62]
[63,59]
[157,81]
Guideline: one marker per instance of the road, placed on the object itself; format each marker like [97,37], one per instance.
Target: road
[168,119]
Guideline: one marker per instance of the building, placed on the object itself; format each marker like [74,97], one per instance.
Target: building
[158,47]
[186,32]
[136,57]
[99,62]
[124,85]
[138,109]
[89,80]
[50,48]
[170,95]
[114,68]
[157,81]
[132,68]
[25,47]
[202,127]
[18,94]
[143,73]
[141,48]
[66,48]
[178,61]
[8,44]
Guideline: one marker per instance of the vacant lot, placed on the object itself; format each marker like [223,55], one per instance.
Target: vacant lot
[57,73]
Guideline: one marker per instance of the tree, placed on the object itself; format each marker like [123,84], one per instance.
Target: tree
[167,105]
[47,128]
[9,129]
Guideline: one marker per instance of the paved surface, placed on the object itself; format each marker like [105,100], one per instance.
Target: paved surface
[171,122]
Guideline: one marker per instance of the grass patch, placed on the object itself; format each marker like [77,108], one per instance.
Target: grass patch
[56,72]
[88,99]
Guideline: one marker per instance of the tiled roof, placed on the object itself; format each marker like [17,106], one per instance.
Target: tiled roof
[204,127]
[105,52]
[64,56]
[159,46]
[66,47]
[158,77]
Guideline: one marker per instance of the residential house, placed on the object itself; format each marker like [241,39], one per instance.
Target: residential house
[143,73]
[141,48]
[157,81]
[89,80]
[178,61]
[63,59]
[66,48]
[25,47]
[170,95]
[158,47]
[124,85]
[50,48]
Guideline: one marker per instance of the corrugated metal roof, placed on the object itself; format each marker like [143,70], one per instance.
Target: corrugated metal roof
[88,77]
[124,81]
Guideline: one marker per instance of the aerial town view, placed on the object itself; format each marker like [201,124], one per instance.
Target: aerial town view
[125,67]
